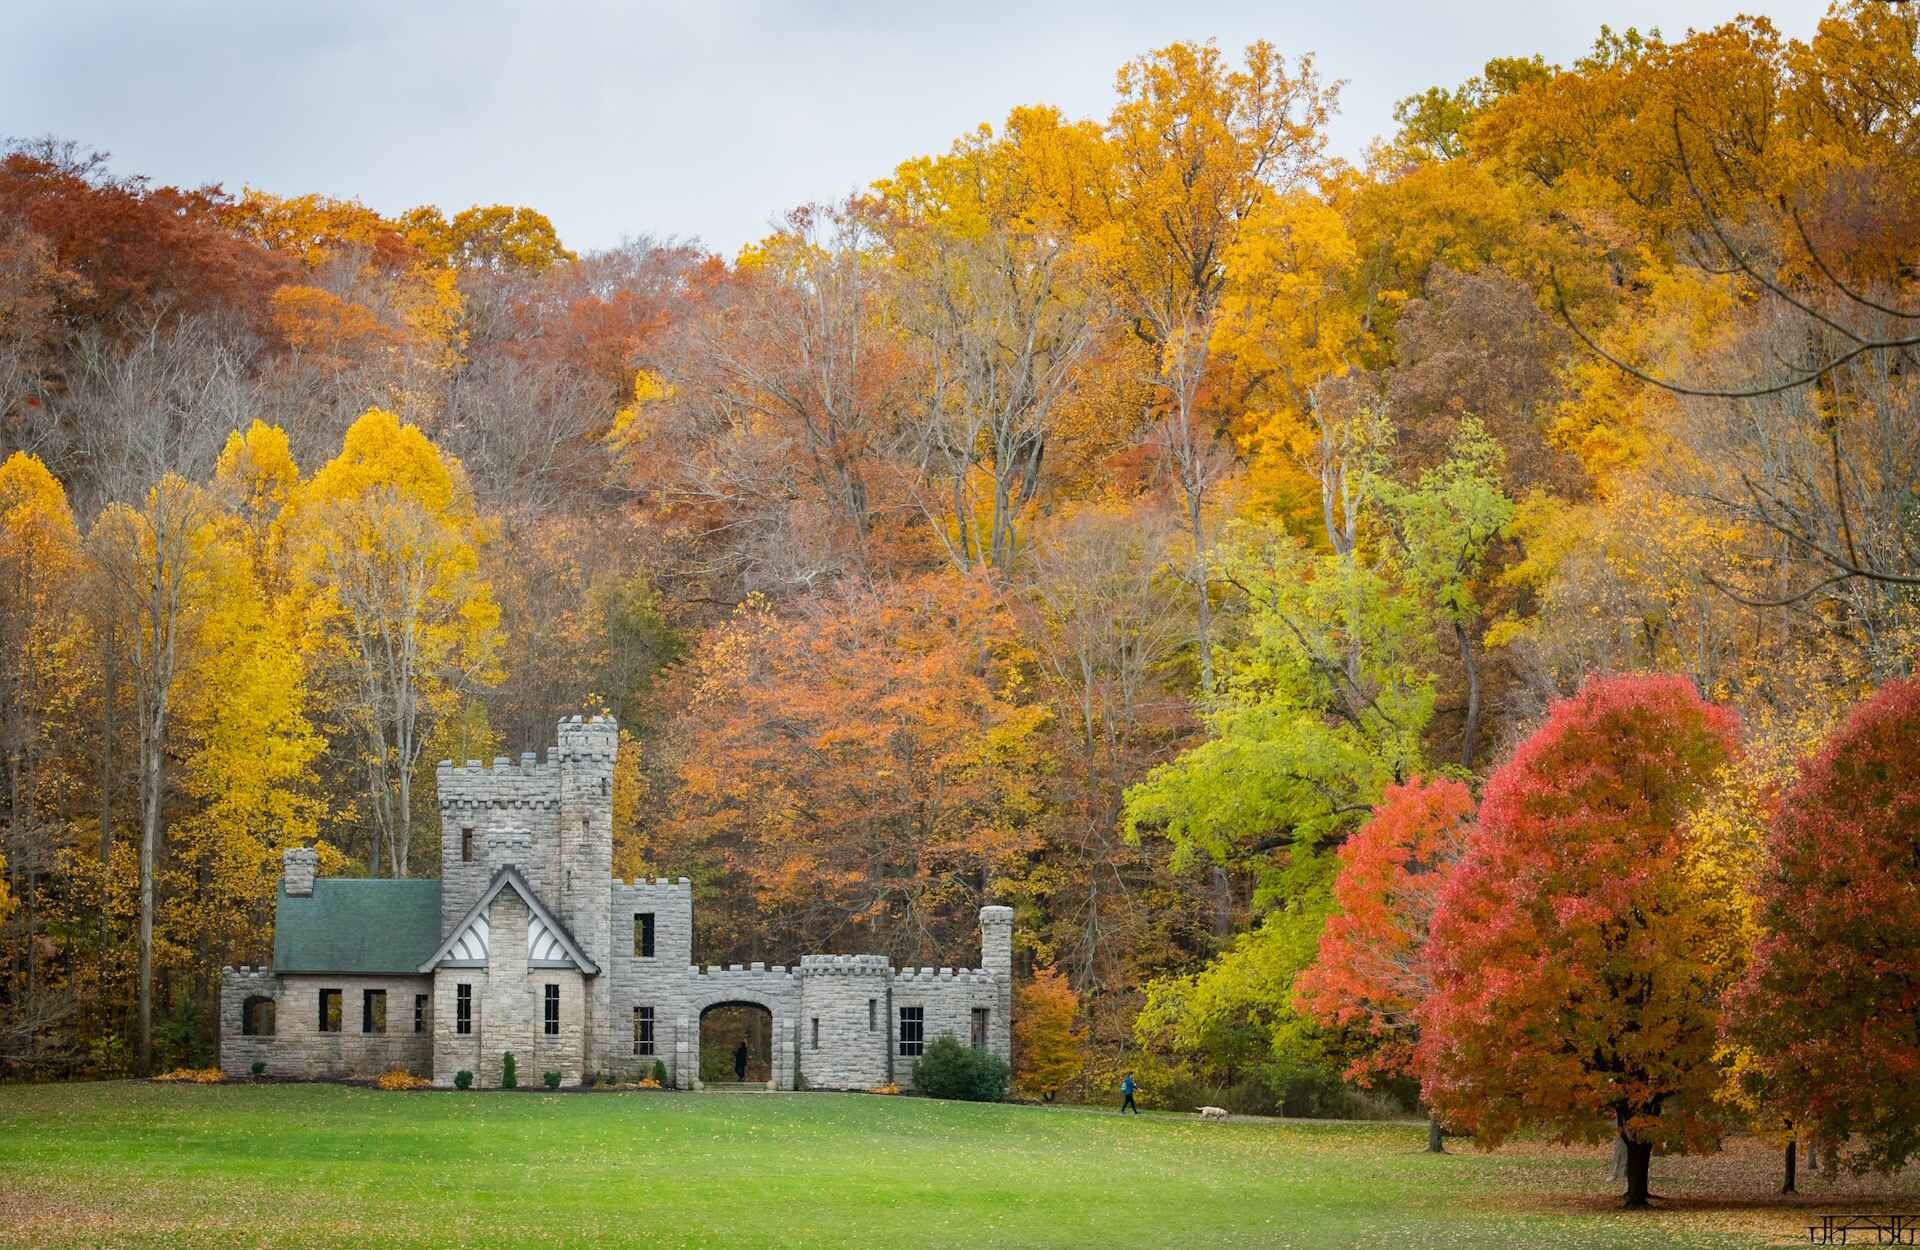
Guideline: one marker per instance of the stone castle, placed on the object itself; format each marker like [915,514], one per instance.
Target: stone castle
[432,976]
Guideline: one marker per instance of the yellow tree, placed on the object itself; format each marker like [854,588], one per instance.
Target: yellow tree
[156,561]
[248,746]
[1051,1049]
[1192,148]
[385,544]
[38,553]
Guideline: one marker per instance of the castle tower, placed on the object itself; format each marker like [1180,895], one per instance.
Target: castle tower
[996,956]
[583,879]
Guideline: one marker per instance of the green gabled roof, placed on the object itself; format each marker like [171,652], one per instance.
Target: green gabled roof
[353,924]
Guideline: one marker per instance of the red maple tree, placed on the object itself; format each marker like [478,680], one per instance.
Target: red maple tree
[1573,988]
[1830,1004]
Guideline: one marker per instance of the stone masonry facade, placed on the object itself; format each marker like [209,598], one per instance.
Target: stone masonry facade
[542,953]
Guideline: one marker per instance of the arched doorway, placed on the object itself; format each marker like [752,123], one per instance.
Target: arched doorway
[723,1027]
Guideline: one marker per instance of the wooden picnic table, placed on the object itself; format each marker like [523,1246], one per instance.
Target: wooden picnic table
[1888,1229]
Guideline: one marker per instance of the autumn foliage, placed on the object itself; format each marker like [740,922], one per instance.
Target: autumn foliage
[1570,988]
[1829,1003]
[1371,974]
[1049,1043]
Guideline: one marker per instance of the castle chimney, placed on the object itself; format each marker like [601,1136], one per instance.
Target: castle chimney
[297,867]
[996,942]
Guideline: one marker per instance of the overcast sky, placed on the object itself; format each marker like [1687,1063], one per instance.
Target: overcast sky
[694,120]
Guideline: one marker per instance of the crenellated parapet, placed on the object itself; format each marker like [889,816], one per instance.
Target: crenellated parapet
[845,966]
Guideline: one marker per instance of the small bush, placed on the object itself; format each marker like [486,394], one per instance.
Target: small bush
[950,1070]
[509,1072]
[463,1079]
[259,1067]
[193,1076]
[400,1078]
[659,1073]
[552,1079]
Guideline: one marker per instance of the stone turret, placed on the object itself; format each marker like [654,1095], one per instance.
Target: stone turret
[996,957]
[582,886]
[297,866]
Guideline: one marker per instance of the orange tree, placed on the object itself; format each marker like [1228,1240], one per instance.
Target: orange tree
[1371,973]
[1572,952]
[1830,1007]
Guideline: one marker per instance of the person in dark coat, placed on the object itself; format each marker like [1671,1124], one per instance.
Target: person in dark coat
[1126,1096]
[740,1061]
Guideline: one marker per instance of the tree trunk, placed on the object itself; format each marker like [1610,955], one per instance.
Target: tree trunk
[110,695]
[1436,1138]
[1792,1169]
[1619,1172]
[1639,1159]
[1469,737]
[150,789]
[1813,1154]
[1200,588]
[1222,905]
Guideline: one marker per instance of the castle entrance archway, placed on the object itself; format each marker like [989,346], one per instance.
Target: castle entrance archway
[724,1028]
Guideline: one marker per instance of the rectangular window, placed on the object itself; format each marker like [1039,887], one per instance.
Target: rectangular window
[873,1014]
[979,1028]
[466,846]
[643,934]
[330,1011]
[643,1030]
[463,1009]
[816,1032]
[419,1013]
[373,1011]
[913,1030]
[553,1011]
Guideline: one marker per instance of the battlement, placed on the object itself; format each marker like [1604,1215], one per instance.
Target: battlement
[845,965]
[247,978]
[738,973]
[923,976]
[656,885]
[594,740]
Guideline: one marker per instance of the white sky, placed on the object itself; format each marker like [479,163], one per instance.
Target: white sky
[695,120]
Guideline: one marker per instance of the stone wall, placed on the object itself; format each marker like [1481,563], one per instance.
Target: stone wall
[238,1052]
[504,798]
[299,1048]
[848,999]
[776,988]
[948,997]
[660,982]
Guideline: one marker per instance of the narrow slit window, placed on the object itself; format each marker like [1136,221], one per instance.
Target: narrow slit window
[816,1032]
[419,1013]
[463,1009]
[330,1011]
[913,1030]
[980,1028]
[643,934]
[873,1014]
[643,1030]
[466,846]
[373,1011]
[552,1019]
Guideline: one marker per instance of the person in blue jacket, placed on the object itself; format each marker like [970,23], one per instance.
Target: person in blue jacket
[1126,1095]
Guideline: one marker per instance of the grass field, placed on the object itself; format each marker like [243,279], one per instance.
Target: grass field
[129,1164]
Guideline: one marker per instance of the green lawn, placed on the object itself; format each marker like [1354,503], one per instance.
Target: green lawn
[129,1164]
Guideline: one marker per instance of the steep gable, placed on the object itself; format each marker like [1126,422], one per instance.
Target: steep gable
[471,938]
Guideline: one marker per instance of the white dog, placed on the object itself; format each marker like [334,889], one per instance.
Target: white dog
[1212,1113]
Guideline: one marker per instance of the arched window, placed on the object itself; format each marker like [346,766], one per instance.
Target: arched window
[256,1016]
